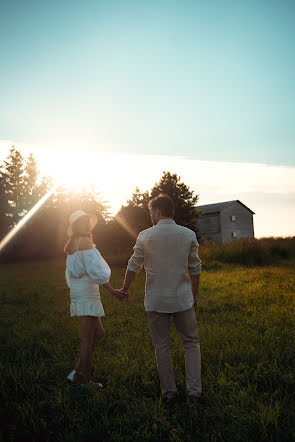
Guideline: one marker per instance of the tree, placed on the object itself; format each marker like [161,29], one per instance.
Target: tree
[4,207]
[14,185]
[33,189]
[139,199]
[184,199]
[135,215]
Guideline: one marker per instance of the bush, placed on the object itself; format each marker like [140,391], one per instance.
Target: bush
[249,252]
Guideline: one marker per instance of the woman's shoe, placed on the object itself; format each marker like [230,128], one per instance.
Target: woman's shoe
[70,376]
[75,378]
[77,381]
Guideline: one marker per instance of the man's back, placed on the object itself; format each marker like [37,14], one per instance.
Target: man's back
[169,253]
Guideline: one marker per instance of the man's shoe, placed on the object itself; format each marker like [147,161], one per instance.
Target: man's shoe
[169,398]
[193,399]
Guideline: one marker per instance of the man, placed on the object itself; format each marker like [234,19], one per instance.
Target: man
[169,253]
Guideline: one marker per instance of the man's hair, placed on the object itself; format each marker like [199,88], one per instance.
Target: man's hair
[164,203]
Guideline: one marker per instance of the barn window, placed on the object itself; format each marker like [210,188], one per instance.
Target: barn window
[235,234]
[233,218]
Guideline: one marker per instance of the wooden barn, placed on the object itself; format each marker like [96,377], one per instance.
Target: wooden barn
[225,221]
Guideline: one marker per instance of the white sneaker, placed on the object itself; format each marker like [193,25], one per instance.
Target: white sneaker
[70,377]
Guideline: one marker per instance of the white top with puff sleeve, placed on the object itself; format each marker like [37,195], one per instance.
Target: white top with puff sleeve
[90,262]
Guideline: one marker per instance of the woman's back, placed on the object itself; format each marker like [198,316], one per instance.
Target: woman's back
[80,243]
[86,259]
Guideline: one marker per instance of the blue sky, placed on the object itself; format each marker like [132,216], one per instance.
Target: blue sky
[211,80]
[118,91]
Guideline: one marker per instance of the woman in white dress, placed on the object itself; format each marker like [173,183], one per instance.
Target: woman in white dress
[85,270]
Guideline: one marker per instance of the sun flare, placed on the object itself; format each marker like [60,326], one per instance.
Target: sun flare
[107,174]
[80,171]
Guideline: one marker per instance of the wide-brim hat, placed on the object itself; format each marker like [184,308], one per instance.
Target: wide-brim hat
[78,214]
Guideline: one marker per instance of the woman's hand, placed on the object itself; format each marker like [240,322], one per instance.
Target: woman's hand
[120,295]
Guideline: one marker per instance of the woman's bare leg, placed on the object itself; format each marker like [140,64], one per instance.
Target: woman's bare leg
[83,367]
[97,337]
[98,334]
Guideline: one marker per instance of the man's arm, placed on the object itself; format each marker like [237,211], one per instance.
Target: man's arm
[194,268]
[195,279]
[134,266]
[129,278]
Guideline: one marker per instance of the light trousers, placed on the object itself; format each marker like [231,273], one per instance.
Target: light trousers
[186,326]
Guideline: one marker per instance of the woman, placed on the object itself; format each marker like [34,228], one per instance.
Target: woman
[85,270]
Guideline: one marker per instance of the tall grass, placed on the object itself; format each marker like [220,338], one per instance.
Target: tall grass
[246,252]
[249,252]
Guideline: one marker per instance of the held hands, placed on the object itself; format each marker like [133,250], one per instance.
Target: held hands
[125,292]
[121,294]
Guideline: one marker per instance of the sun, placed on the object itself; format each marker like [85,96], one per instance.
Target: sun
[84,171]
[75,170]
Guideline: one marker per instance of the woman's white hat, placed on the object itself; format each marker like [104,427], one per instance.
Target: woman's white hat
[78,214]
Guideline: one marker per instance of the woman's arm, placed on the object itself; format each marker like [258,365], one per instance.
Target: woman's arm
[121,296]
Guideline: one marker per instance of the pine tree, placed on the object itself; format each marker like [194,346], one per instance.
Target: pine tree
[135,215]
[4,206]
[139,199]
[33,190]
[14,185]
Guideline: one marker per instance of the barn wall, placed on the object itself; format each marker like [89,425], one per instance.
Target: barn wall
[209,227]
[243,225]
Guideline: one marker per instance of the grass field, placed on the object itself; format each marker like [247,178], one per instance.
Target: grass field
[246,326]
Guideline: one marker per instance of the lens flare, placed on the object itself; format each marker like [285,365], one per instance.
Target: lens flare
[125,226]
[25,219]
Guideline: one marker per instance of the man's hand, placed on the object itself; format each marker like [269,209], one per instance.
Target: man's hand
[195,279]
[125,291]
[122,296]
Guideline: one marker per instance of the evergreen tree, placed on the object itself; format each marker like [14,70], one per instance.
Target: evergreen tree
[14,185]
[33,190]
[4,206]
[135,215]
[139,199]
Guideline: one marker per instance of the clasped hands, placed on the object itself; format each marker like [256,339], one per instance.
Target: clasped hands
[121,294]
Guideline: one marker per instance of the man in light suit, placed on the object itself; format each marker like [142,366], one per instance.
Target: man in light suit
[169,253]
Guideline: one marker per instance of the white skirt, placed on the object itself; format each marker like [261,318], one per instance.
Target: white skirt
[85,297]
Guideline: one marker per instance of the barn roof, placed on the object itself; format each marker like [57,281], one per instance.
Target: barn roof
[219,207]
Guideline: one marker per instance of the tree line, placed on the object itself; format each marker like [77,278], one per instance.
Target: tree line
[44,235]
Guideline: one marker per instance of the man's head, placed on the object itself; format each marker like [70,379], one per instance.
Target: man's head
[161,207]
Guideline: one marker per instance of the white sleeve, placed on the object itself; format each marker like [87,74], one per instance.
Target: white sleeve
[68,278]
[96,267]
[136,261]
[194,262]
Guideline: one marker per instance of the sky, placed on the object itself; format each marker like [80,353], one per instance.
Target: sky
[201,88]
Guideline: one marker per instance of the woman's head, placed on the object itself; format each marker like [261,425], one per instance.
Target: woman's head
[81,224]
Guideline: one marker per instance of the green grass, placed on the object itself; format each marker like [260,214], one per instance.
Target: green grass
[246,326]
